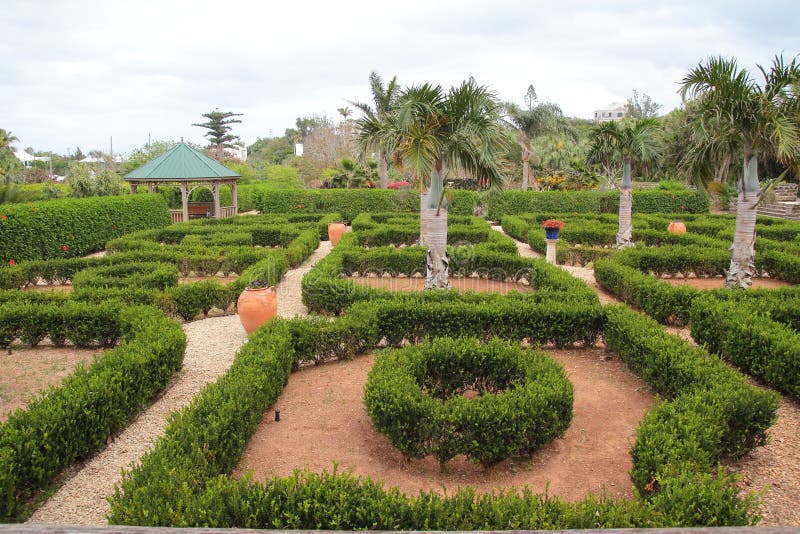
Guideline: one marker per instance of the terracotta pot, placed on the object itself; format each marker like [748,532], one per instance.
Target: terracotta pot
[676,228]
[257,306]
[335,231]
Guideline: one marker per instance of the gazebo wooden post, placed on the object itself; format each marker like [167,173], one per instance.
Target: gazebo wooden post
[215,189]
[134,188]
[185,201]
[234,198]
[151,187]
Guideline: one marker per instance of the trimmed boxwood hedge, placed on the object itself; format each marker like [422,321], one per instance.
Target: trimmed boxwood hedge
[415,396]
[653,201]
[71,422]
[179,484]
[145,275]
[42,230]
[750,339]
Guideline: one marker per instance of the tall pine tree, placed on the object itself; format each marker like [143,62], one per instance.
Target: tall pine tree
[219,126]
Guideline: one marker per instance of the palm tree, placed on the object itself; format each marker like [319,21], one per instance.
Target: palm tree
[432,132]
[539,119]
[758,120]
[384,99]
[630,141]
[8,161]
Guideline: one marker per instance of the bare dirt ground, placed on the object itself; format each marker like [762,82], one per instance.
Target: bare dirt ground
[776,468]
[29,370]
[322,408]
[459,284]
[718,283]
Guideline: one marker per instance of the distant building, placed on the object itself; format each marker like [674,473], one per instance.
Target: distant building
[616,111]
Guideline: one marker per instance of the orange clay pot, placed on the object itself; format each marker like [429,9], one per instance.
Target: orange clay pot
[676,228]
[257,306]
[335,231]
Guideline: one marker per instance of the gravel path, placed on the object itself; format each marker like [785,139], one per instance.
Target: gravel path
[524,249]
[210,349]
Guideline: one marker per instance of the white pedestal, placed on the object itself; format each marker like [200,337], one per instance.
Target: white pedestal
[551,251]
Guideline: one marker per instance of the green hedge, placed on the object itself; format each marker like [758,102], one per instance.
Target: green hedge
[351,202]
[415,397]
[179,484]
[750,340]
[144,275]
[714,413]
[42,230]
[519,202]
[71,422]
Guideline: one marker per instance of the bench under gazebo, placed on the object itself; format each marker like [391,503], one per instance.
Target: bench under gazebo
[189,169]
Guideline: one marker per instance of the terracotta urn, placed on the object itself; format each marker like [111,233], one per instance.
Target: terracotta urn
[256,306]
[676,228]
[335,231]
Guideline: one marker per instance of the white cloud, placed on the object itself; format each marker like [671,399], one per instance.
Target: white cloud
[76,73]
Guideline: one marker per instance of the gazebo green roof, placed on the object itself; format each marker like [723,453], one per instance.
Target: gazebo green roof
[181,162]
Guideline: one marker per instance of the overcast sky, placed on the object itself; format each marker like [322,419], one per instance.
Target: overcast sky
[74,73]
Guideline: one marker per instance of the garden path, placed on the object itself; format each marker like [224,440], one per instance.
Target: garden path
[210,350]
[773,467]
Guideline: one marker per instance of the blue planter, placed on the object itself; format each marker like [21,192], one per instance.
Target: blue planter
[551,233]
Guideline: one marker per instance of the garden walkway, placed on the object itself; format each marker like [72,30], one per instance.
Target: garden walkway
[774,466]
[210,350]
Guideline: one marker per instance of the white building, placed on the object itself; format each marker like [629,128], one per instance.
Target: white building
[616,111]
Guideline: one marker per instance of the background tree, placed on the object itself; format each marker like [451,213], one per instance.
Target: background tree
[10,166]
[219,127]
[432,132]
[641,106]
[384,99]
[539,119]
[628,142]
[757,119]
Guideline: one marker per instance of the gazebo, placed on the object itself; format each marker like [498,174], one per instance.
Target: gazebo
[188,169]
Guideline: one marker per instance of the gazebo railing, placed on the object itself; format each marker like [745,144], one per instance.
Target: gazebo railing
[227,211]
[176,216]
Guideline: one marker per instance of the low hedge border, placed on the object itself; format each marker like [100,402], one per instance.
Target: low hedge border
[71,422]
[713,412]
[181,481]
[750,340]
[415,397]
[71,227]
[144,275]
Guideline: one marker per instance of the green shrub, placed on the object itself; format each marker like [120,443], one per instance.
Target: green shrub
[143,275]
[415,396]
[71,422]
[42,230]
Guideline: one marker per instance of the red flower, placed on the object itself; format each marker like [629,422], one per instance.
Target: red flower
[12,262]
[300,206]
[64,248]
[3,217]
[553,223]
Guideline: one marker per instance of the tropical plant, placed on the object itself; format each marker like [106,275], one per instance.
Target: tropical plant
[219,126]
[761,120]
[539,119]
[10,166]
[628,142]
[432,132]
[384,99]
[350,174]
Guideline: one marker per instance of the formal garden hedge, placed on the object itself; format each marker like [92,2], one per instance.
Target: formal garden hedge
[143,267]
[183,481]
[709,409]
[416,397]
[653,201]
[70,227]
[71,422]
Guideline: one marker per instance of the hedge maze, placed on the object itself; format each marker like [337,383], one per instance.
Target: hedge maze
[436,346]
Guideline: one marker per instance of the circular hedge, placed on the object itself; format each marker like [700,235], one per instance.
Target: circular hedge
[151,275]
[453,396]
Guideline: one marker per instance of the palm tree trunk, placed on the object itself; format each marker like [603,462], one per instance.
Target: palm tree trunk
[383,170]
[437,261]
[743,249]
[433,221]
[625,203]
